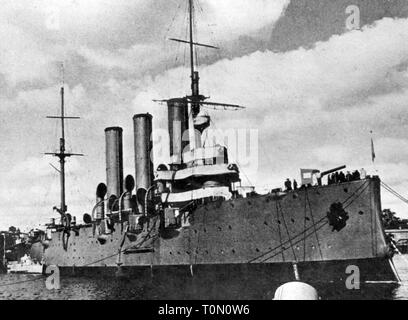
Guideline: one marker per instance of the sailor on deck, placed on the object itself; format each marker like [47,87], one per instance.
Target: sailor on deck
[363,174]
[288,185]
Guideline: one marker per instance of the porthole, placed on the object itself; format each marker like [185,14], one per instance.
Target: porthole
[345,190]
[361,213]
[293,220]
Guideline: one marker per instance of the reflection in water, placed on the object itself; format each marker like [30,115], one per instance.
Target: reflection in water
[189,288]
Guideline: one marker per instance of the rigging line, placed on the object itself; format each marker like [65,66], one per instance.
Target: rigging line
[176,56]
[287,241]
[395,193]
[287,230]
[195,31]
[311,215]
[199,6]
[398,197]
[172,21]
[122,251]
[305,231]
[304,228]
[240,168]
[185,36]
[358,195]
[212,36]
[300,240]
[388,186]
[279,228]
[350,197]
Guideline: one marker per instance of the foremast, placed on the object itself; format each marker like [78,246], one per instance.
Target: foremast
[62,155]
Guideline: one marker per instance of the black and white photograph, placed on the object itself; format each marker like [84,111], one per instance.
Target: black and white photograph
[203,150]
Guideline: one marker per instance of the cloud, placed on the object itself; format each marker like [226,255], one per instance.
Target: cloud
[312,107]
[235,18]
[22,59]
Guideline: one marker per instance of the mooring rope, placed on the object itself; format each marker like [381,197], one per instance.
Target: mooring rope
[354,196]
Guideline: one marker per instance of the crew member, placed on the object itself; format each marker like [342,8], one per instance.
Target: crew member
[288,185]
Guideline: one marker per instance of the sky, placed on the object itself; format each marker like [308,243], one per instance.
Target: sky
[312,87]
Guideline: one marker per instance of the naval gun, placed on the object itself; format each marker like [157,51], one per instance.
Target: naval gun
[327,172]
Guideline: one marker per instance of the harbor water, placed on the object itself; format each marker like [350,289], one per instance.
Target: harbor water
[33,287]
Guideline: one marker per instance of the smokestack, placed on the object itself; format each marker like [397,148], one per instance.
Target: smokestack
[143,151]
[178,126]
[114,161]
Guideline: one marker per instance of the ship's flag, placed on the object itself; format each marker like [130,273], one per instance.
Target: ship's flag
[372,150]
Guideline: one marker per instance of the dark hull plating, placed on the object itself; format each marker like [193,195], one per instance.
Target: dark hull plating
[261,236]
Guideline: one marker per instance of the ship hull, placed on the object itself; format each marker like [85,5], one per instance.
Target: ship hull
[261,236]
[251,281]
[370,270]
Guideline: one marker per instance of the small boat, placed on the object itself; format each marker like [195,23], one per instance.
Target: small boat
[25,265]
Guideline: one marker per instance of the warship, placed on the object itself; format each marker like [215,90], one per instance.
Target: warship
[192,218]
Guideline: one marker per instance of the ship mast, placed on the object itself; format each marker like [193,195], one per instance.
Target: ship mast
[62,154]
[196,100]
[190,2]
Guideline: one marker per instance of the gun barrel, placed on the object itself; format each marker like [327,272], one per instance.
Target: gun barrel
[332,170]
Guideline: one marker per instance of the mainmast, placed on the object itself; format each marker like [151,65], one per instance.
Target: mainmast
[62,155]
[196,100]
[190,2]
